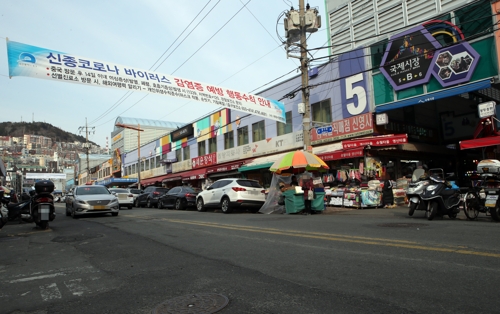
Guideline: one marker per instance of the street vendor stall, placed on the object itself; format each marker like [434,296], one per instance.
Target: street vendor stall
[298,163]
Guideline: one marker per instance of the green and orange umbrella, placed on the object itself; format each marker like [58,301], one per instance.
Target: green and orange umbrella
[298,160]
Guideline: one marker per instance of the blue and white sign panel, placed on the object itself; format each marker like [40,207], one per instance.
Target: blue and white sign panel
[32,61]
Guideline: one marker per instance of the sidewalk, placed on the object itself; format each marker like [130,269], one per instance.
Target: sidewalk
[336,209]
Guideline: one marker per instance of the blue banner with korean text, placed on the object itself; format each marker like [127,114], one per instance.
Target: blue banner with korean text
[42,63]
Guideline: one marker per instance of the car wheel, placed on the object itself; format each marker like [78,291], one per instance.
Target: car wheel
[178,204]
[226,206]
[136,204]
[160,204]
[73,214]
[148,203]
[199,205]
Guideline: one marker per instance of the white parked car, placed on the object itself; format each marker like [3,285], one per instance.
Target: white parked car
[125,198]
[229,194]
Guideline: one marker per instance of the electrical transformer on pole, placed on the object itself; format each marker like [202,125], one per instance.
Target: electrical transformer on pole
[297,25]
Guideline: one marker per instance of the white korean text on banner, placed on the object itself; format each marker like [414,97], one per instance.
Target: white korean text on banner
[32,61]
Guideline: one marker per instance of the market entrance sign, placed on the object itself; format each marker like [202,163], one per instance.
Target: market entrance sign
[408,58]
[455,65]
[32,61]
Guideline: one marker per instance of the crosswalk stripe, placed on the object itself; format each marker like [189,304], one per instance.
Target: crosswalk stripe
[50,292]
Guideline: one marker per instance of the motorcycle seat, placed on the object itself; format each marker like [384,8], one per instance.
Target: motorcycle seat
[448,192]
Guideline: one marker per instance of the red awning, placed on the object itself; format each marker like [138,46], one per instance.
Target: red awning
[376,141]
[480,142]
[194,174]
[172,177]
[225,167]
[343,154]
[153,180]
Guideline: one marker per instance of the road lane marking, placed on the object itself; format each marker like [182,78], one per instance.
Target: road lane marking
[50,292]
[37,277]
[76,287]
[338,238]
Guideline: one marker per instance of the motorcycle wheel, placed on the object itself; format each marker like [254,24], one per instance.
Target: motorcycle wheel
[413,206]
[471,205]
[43,224]
[431,211]
[495,211]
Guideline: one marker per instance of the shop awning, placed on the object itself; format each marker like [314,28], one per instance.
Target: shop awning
[172,177]
[343,154]
[232,166]
[376,141]
[445,93]
[480,142]
[195,174]
[151,181]
[261,162]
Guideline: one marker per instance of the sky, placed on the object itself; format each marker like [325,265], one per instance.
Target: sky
[219,42]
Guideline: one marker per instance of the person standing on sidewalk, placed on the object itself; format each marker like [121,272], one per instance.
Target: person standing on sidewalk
[307,185]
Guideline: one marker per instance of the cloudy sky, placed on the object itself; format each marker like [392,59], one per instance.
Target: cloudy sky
[220,42]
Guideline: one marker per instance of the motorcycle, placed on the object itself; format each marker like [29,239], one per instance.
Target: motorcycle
[415,189]
[37,207]
[441,199]
[4,215]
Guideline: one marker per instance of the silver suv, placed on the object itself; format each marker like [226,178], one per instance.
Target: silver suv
[229,194]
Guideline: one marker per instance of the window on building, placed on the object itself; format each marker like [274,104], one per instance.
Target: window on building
[243,135]
[322,111]
[212,145]
[202,148]
[258,131]
[228,140]
[178,154]
[285,128]
[186,153]
[143,165]
[158,158]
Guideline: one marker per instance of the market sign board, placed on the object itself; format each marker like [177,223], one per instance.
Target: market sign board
[455,64]
[347,128]
[408,58]
[377,141]
[32,61]
[486,109]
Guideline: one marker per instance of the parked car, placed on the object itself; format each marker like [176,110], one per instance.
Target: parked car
[230,194]
[180,197]
[125,198]
[91,199]
[149,197]
[135,193]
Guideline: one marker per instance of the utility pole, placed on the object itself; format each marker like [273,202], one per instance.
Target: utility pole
[87,145]
[297,25]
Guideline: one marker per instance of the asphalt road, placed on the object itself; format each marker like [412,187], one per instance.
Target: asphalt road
[359,261]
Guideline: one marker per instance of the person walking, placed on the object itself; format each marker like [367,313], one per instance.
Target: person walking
[308,188]
[387,194]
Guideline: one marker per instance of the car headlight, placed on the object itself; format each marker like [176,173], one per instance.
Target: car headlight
[80,202]
[114,201]
[431,187]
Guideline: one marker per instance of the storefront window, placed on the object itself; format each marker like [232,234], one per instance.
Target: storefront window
[285,128]
[322,111]
[186,153]
[212,145]
[202,148]
[178,154]
[228,140]
[243,136]
[258,131]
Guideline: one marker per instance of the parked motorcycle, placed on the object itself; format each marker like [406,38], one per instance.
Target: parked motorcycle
[419,181]
[441,199]
[4,215]
[38,207]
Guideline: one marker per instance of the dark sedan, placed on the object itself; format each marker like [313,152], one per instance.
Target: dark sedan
[180,197]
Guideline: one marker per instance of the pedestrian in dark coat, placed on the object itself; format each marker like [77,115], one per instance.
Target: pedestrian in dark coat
[387,195]
[307,185]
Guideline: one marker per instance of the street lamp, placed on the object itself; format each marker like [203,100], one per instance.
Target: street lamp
[139,130]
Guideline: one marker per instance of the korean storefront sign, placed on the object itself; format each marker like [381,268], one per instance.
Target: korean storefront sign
[408,58]
[32,61]
[224,168]
[486,109]
[264,147]
[343,154]
[343,129]
[204,161]
[383,140]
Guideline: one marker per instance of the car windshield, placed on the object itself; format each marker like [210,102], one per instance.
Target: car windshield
[190,190]
[249,183]
[119,190]
[135,191]
[161,190]
[91,190]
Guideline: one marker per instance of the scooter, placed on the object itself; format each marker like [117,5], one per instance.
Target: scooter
[38,207]
[441,199]
[415,189]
